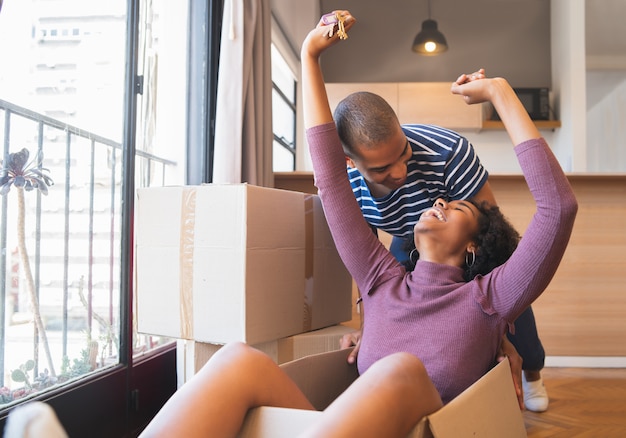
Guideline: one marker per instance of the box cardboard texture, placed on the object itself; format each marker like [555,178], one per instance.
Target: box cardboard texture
[487,409]
[235,262]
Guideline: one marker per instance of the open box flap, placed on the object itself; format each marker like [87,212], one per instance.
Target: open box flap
[488,408]
[322,377]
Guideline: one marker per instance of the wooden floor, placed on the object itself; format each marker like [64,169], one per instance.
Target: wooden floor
[589,403]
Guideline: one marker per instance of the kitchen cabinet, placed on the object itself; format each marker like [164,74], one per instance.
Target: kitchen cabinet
[429,103]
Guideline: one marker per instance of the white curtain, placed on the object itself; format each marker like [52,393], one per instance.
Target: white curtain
[243,131]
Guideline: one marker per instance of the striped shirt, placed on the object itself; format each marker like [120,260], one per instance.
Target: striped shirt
[443,165]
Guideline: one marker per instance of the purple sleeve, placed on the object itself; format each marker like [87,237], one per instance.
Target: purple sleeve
[518,282]
[361,251]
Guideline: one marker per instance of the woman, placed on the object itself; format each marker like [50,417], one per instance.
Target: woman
[443,298]
[459,320]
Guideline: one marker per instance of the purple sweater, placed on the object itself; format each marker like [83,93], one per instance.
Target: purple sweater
[453,326]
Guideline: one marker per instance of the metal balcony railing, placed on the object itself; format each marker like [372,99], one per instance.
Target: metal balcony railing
[73,234]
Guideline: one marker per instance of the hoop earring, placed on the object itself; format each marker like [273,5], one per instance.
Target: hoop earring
[413,253]
[469,262]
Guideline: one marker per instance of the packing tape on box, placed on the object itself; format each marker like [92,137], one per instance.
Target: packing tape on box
[186,251]
[309,258]
[187,230]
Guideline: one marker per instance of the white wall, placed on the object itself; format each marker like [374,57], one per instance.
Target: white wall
[606,121]
[495,150]
[568,82]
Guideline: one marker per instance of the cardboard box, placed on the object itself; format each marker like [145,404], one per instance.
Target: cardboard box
[487,409]
[309,343]
[236,262]
[192,355]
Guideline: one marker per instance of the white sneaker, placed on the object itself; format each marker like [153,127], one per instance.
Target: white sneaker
[535,395]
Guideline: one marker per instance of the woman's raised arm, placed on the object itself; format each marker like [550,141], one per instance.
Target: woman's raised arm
[315,100]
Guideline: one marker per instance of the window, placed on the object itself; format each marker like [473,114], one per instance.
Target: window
[72,234]
[283,113]
[69,97]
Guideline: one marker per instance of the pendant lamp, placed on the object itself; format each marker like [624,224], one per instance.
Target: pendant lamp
[429,41]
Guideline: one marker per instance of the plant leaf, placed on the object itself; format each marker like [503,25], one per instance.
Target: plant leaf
[18,376]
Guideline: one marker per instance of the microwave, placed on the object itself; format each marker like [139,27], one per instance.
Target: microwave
[535,100]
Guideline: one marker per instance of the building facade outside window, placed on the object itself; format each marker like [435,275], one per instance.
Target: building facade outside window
[63,96]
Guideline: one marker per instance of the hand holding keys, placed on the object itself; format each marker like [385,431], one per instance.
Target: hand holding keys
[335,18]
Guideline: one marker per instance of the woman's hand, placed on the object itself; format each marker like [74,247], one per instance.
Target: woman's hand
[314,98]
[475,87]
[325,35]
[351,339]
[515,361]
[465,78]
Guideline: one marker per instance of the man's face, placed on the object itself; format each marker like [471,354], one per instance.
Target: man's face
[385,163]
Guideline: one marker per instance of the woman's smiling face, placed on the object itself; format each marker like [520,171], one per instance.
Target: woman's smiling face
[446,230]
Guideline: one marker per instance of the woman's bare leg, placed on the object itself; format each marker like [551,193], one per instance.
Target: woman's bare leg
[215,401]
[388,400]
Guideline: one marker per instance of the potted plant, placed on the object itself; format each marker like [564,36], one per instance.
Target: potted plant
[26,176]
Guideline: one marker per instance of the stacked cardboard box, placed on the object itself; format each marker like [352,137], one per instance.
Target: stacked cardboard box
[235,262]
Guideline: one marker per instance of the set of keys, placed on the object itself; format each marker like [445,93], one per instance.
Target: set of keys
[338,19]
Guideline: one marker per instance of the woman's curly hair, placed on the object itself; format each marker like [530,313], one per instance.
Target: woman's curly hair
[495,240]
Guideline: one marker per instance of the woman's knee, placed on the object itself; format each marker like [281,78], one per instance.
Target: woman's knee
[405,383]
[403,371]
[237,354]
[233,348]
[404,363]
[415,383]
